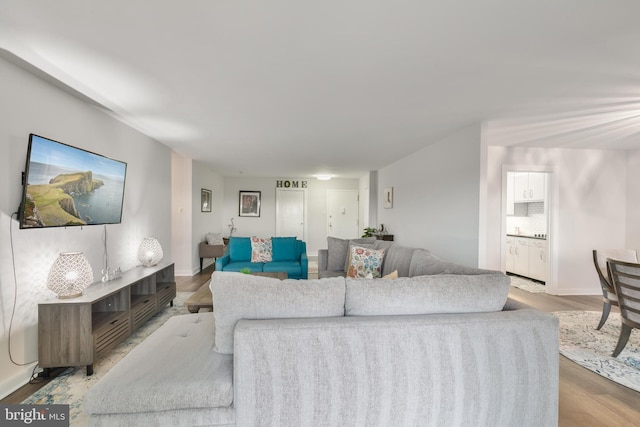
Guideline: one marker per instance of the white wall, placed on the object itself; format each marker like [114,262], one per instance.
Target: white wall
[633,200]
[265,225]
[436,196]
[31,105]
[369,200]
[206,222]
[182,214]
[589,209]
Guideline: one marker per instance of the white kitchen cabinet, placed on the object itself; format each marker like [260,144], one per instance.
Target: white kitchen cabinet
[529,187]
[521,187]
[521,260]
[527,257]
[511,253]
[538,260]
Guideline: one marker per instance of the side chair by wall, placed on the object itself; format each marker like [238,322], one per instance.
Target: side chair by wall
[608,293]
[626,282]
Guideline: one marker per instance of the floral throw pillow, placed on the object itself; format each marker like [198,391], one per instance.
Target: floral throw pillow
[365,262]
[261,250]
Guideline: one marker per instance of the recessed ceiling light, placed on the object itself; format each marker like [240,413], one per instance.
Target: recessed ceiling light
[323,177]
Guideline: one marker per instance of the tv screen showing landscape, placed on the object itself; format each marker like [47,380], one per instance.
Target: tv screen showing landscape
[67,186]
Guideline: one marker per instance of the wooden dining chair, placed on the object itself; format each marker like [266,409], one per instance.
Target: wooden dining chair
[625,277]
[608,293]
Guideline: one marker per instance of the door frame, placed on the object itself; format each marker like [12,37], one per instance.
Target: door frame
[552,216]
[357,193]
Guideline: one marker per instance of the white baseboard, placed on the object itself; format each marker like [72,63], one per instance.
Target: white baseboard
[21,376]
[578,291]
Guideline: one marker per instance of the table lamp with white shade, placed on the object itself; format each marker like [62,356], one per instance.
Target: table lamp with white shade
[70,274]
[150,252]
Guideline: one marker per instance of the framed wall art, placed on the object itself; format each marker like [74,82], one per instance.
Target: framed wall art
[249,203]
[205,200]
[388,198]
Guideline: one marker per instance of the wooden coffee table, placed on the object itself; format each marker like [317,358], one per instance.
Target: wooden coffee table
[202,297]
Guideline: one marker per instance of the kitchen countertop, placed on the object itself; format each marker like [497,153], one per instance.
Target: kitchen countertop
[526,236]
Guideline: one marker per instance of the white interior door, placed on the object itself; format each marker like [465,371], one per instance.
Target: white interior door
[342,214]
[290,213]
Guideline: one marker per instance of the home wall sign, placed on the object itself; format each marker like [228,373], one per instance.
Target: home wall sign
[291,184]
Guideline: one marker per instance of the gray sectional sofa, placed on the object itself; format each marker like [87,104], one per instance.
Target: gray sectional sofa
[407,261]
[431,350]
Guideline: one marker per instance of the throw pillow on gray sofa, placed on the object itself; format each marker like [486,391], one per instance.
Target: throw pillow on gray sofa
[243,296]
[338,250]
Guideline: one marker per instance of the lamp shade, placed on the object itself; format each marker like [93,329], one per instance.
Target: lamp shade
[150,252]
[70,274]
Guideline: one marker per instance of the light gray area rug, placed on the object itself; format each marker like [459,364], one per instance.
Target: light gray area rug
[527,285]
[70,387]
[590,348]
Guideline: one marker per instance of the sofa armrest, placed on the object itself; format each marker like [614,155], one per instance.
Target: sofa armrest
[323,258]
[473,369]
[222,261]
[304,265]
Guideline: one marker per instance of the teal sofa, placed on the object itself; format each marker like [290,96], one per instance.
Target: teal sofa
[289,256]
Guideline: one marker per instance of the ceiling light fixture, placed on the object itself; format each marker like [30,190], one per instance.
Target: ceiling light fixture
[323,177]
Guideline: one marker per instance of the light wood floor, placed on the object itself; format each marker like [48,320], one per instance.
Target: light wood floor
[586,398]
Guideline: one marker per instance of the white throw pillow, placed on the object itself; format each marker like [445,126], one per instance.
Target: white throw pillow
[214,239]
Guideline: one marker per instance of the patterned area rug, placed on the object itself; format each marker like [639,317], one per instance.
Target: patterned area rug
[527,285]
[70,387]
[313,267]
[590,348]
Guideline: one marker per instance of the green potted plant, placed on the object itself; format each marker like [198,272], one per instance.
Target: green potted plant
[370,232]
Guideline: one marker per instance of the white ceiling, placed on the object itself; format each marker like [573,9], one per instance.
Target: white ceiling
[293,88]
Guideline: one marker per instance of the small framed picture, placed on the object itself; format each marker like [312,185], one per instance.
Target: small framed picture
[249,203]
[388,198]
[205,200]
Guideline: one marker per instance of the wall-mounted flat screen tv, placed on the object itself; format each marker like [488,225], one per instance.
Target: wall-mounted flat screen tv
[66,186]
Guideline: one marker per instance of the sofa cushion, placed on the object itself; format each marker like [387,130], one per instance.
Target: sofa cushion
[365,262]
[338,249]
[261,249]
[292,268]
[284,249]
[241,296]
[445,293]
[397,258]
[239,249]
[172,369]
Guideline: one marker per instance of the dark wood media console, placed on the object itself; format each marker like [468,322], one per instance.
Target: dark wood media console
[78,331]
